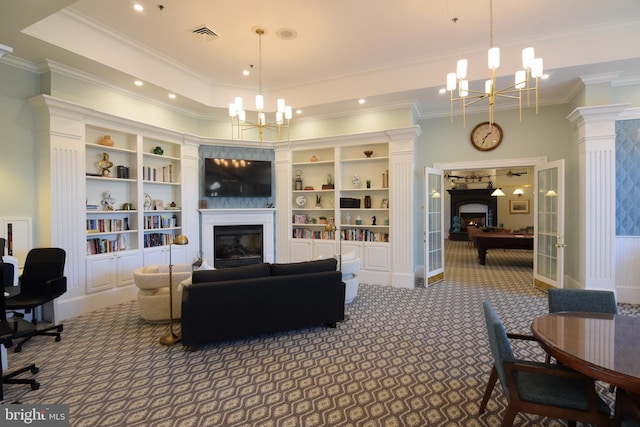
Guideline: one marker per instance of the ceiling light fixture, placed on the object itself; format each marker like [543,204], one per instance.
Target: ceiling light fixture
[237,113]
[532,69]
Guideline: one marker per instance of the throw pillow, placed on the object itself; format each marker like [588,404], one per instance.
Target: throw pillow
[329,264]
[232,273]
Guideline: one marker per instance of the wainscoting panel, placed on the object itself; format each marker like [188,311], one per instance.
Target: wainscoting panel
[628,269]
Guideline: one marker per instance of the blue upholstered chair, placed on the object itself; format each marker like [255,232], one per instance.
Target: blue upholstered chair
[586,300]
[582,300]
[539,388]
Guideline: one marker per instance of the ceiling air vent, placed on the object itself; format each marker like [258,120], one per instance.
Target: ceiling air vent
[205,33]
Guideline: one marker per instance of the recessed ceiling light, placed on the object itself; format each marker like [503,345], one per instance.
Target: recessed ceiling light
[442,90]
[298,111]
[138,7]
[172,95]
[361,101]
[138,83]
[246,72]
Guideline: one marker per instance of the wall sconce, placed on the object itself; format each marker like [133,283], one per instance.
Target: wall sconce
[498,192]
[518,192]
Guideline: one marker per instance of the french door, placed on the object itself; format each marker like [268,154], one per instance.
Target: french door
[548,260]
[433,226]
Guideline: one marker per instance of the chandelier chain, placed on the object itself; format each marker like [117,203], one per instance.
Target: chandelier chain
[491,23]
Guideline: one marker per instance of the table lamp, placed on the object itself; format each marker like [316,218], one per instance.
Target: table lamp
[172,338]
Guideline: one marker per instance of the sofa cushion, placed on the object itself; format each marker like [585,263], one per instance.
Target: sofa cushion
[232,273]
[329,264]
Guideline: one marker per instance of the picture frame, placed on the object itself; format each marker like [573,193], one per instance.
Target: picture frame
[385,204]
[518,206]
[300,219]
[158,204]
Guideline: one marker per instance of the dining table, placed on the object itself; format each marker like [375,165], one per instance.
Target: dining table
[605,347]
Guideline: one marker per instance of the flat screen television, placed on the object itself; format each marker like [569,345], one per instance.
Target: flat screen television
[237,178]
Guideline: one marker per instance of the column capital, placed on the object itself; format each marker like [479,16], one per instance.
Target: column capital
[599,113]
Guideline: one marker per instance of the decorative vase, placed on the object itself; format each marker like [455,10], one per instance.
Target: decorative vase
[107,141]
[358,220]
[347,218]
[298,181]
[367,202]
[158,150]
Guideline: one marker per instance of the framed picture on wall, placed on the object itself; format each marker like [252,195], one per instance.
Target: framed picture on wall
[518,206]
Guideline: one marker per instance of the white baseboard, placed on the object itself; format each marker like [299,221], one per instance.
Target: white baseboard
[72,307]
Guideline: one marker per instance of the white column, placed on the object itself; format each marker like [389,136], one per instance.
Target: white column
[402,205]
[597,173]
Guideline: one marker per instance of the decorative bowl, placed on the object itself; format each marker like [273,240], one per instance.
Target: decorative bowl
[368,153]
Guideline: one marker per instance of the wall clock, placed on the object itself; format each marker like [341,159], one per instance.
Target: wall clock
[486,136]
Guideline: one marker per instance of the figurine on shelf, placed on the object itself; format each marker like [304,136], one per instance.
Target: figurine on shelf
[105,165]
[108,201]
[356,181]
[331,225]
[373,220]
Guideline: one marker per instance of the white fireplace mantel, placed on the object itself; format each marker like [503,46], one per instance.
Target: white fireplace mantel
[262,216]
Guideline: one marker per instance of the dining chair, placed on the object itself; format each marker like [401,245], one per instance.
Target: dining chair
[587,300]
[539,388]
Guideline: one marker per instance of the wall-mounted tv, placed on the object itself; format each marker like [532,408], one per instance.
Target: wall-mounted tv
[237,178]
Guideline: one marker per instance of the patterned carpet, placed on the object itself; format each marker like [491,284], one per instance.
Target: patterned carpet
[415,357]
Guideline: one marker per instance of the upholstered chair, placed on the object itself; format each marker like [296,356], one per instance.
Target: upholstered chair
[588,300]
[539,388]
[153,295]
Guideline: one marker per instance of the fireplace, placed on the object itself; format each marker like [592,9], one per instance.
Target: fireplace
[211,218]
[475,207]
[237,245]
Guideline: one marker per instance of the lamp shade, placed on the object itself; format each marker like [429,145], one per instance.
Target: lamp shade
[498,192]
[518,192]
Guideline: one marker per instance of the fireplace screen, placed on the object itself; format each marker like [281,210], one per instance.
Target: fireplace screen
[237,245]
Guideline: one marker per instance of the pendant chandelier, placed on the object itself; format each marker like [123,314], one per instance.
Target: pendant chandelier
[239,122]
[532,70]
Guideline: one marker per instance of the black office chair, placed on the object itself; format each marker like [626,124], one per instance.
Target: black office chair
[11,329]
[42,280]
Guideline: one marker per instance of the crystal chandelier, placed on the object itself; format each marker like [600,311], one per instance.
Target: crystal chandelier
[532,70]
[239,122]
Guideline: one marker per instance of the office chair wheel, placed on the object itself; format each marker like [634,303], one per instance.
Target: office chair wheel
[18,348]
[35,386]
[60,328]
[58,339]
[35,370]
